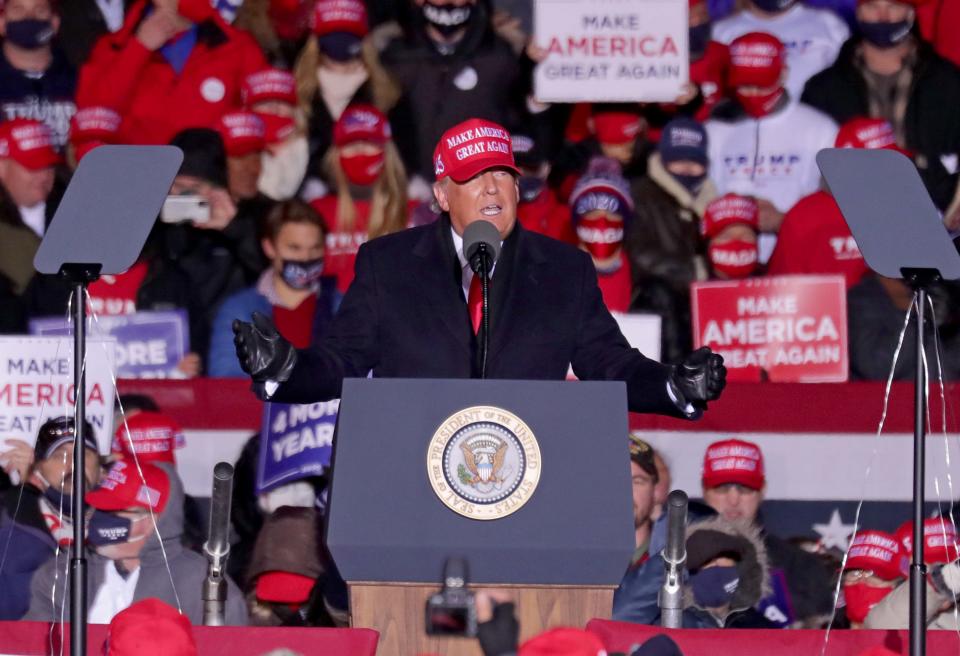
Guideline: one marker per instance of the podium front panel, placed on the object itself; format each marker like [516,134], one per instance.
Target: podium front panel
[388,524]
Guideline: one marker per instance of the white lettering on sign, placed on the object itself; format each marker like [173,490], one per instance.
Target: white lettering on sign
[767,330]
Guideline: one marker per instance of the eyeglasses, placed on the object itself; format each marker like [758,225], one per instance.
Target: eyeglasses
[852,576]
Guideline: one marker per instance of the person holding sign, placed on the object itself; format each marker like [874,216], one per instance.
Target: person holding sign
[409,310]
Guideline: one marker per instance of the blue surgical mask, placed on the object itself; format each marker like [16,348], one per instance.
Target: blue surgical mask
[885,35]
[105,528]
[302,274]
[699,38]
[714,587]
[30,33]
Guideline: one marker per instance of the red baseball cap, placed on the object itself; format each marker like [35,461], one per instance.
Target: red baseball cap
[95,124]
[348,16]
[728,210]
[940,543]
[361,123]
[28,143]
[616,127]
[878,552]
[122,488]
[150,628]
[269,84]
[471,147]
[563,642]
[284,587]
[733,461]
[154,436]
[243,133]
[756,59]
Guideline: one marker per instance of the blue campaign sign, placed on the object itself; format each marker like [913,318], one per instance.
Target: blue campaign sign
[296,442]
[148,344]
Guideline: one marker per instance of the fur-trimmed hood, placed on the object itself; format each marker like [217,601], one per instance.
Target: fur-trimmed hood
[754,567]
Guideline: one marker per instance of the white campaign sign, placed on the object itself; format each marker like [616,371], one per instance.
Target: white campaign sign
[642,331]
[611,50]
[36,384]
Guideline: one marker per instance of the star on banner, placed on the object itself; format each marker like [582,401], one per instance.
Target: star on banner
[834,533]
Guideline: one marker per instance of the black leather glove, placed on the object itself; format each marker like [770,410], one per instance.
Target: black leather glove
[699,378]
[501,634]
[262,351]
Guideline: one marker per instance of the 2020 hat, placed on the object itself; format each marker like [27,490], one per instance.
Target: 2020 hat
[728,210]
[878,552]
[756,59]
[28,143]
[601,187]
[122,488]
[733,461]
[472,147]
[154,437]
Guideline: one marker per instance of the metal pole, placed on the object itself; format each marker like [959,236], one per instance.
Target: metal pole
[78,563]
[918,571]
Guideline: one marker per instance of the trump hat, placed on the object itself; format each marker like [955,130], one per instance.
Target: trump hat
[122,488]
[878,552]
[150,627]
[152,436]
[243,133]
[361,123]
[615,124]
[269,84]
[343,16]
[472,147]
[729,210]
[28,143]
[733,461]
[939,540]
[756,60]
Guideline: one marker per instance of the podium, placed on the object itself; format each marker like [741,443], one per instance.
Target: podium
[528,481]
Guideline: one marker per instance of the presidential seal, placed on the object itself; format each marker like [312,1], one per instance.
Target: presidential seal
[483,462]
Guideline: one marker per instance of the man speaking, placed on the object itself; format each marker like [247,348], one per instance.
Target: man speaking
[413,309]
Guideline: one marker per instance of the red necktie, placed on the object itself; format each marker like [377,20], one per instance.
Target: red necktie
[475,303]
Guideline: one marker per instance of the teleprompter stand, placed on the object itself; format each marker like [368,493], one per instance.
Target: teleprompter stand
[99,228]
[901,235]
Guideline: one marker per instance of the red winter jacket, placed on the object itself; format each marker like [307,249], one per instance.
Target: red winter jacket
[154,101]
[814,239]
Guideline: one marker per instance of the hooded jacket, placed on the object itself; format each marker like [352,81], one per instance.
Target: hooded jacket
[754,571]
[187,571]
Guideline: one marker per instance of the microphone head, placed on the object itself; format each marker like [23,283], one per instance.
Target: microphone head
[481,232]
[675,551]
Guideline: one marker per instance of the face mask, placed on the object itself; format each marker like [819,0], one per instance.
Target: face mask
[773,6]
[760,105]
[447,20]
[301,274]
[691,183]
[734,259]
[30,33]
[277,128]
[106,528]
[601,235]
[699,38]
[530,188]
[714,587]
[60,501]
[885,35]
[861,598]
[283,168]
[362,170]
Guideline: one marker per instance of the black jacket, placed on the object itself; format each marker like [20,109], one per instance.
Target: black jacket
[405,316]
[808,581]
[81,24]
[481,78]
[932,120]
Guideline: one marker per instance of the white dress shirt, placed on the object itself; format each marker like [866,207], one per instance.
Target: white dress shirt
[115,594]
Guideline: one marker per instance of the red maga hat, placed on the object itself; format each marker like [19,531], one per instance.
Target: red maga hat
[471,147]
[348,16]
[269,84]
[939,540]
[733,461]
[154,437]
[878,552]
[756,60]
[242,132]
[150,628]
[122,488]
[361,123]
[728,210]
[28,143]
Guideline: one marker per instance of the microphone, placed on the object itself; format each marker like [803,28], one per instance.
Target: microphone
[217,546]
[481,244]
[674,555]
[481,247]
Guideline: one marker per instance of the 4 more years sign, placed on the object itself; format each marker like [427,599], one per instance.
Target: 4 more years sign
[782,329]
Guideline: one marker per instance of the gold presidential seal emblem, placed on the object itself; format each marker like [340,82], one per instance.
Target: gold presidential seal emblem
[483,462]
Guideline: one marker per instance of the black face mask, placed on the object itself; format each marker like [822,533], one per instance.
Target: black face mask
[59,500]
[691,183]
[530,188]
[447,19]
[699,38]
[30,33]
[773,6]
[302,274]
[885,35]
